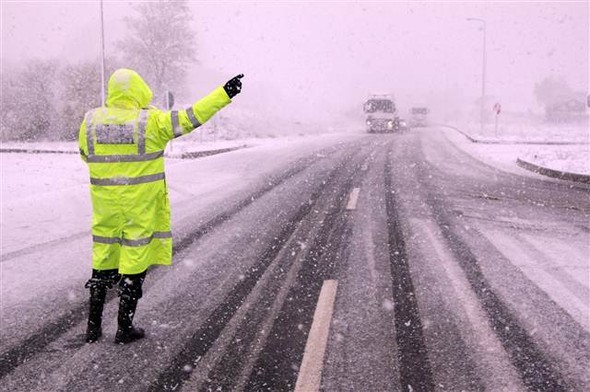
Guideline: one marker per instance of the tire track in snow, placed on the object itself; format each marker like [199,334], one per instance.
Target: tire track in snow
[277,366]
[536,372]
[415,368]
[61,242]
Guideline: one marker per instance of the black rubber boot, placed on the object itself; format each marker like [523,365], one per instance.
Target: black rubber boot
[130,336]
[124,337]
[97,298]
[99,283]
[131,292]
[126,333]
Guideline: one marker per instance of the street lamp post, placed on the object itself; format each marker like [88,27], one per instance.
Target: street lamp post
[483,72]
[102,81]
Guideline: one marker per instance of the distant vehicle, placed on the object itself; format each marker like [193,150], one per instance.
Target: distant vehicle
[419,116]
[381,114]
[403,125]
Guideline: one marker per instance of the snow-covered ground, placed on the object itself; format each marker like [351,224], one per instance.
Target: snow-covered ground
[537,145]
[572,158]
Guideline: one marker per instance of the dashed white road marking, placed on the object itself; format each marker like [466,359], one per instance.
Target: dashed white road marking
[310,372]
[352,200]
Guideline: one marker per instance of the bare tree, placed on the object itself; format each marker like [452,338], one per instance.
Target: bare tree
[561,102]
[79,92]
[161,46]
[28,102]
[552,90]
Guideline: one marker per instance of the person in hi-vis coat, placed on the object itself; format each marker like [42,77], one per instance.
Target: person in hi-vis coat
[123,145]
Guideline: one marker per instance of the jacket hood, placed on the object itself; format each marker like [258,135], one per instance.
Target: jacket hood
[128,90]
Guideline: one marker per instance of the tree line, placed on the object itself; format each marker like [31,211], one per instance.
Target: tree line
[46,99]
[561,102]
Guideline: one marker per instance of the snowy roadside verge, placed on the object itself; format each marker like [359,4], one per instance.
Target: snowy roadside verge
[562,159]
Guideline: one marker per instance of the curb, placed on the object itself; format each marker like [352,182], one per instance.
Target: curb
[474,140]
[585,179]
[36,151]
[184,155]
[206,153]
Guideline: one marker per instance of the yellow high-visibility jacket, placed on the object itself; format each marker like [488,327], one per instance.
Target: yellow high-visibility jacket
[123,145]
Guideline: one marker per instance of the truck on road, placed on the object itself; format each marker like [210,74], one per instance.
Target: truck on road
[381,114]
[419,116]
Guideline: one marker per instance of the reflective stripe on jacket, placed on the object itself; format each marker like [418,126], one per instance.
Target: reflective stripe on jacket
[123,145]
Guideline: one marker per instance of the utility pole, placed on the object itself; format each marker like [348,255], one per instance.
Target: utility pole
[102,79]
[483,73]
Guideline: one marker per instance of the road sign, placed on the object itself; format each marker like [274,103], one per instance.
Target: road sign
[169,100]
[497,108]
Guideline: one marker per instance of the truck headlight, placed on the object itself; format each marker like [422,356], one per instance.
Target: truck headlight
[390,124]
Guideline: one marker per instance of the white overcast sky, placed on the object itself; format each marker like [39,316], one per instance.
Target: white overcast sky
[332,54]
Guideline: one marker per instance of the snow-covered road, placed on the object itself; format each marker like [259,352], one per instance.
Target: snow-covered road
[451,274]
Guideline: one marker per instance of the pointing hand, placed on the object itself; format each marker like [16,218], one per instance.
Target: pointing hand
[234,86]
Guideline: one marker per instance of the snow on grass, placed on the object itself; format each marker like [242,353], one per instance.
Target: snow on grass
[571,159]
[44,197]
[511,144]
